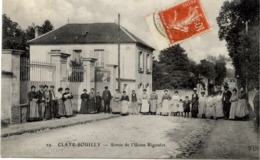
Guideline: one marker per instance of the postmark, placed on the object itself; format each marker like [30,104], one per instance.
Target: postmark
[178,23]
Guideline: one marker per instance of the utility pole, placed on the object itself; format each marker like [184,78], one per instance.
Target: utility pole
[118,58]
[246,22]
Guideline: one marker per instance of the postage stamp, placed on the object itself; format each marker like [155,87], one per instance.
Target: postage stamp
[177,23]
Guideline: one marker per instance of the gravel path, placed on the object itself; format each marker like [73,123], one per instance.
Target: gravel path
[230,140]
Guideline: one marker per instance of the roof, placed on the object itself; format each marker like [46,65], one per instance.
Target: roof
[88,34]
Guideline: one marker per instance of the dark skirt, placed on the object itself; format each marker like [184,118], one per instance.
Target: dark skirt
[48,111]
[32,112]
[195,109]
[84,107]
[92,106]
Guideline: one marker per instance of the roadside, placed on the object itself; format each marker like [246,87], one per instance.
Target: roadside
[32,127]
[230,140]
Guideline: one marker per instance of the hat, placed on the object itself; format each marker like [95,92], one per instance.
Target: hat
[106,87]
[84,90]
[194,89]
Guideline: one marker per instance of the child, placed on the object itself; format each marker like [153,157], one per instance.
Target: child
[180,108]
[186,107]
[98,102]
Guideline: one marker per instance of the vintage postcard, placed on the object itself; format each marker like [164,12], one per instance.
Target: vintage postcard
[135,79]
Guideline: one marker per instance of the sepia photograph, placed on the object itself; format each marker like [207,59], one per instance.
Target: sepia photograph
[135,79]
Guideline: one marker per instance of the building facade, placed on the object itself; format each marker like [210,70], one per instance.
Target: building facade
[94,49]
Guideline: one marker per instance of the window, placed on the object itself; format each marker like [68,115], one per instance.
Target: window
[76,56]
[100,56]
[148,63]
[140,61]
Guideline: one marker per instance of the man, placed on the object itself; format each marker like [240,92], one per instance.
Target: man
[226,101]
[256,104]
[106,96]
[134,103]
[41,102]
[53,101]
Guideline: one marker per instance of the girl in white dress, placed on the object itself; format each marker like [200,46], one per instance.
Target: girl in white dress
[202,105]
[210,107]
[166,102]
[175,102]
[145,103]
[234,102]
[219,106]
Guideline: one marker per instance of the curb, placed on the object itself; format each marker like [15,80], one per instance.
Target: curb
[4,135]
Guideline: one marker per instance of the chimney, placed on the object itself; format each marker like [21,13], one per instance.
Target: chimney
[36,32]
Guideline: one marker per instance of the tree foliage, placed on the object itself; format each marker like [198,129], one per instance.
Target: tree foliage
[242,42]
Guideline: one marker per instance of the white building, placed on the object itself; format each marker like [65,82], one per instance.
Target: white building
[97,46]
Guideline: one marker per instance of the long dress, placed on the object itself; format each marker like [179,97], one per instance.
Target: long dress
[175,103]
[33,109]
[166,102]
[61,107]
[210,107]
[84,103]
[202,106]
[219,107]
[134,103]
[195,105]
[116,103]
[67,103]
[145,104]
[124,100]
[153,102]
[242,108]
[47,106]
[234,102]
[92,103]
[180,106]
[98,103]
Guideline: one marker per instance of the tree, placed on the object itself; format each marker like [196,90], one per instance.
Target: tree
[238,23]
[207,69]
[13,36]
[174,68]
[46,27]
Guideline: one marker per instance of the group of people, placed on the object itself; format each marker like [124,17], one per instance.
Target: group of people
[45,105]
[228,105]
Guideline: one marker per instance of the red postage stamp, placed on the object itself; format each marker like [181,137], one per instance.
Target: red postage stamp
[184,20]
[179,22]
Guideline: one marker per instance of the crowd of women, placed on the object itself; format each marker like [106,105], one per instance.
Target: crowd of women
[45,104]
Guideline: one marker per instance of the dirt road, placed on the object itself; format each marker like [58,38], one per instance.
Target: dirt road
[230,140]
[123,137]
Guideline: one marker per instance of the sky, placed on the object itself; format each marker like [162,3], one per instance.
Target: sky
[132,12]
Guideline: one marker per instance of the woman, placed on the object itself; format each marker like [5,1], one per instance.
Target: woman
[194,104]
[33,109]
[234,101]
[67,96]
[175,103]
[242,110]
[84,102]
[210,107]
[124,100]
[98,102]
[92,101]
[61,107]
[166,98]
[116,103]
[202,105]
[145,103]
[219,106]
[153,102]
